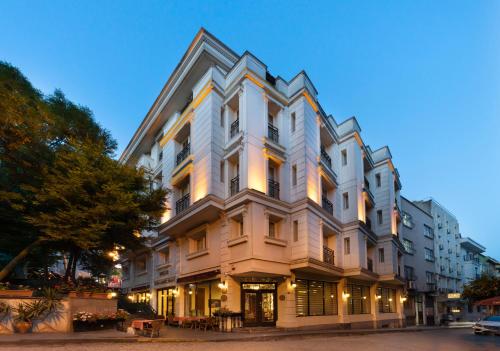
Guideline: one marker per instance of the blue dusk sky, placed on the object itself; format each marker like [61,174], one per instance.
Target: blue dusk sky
[420,76]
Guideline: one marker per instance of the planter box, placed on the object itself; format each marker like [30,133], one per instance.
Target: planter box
[16,293]
[88,295]
[79,326]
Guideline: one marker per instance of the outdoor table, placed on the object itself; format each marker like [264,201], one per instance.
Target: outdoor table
[139,324]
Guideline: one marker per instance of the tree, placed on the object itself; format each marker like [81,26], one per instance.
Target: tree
[484,287]
[59,185]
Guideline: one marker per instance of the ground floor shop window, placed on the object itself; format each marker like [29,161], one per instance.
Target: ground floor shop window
[315,298]
[202,298]
[358,299]
[165,302]
[386,300]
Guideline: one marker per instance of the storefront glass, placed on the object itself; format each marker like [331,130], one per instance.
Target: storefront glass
[165,302]
[202,298]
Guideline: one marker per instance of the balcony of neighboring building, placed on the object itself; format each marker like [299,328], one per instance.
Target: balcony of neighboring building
[472,246]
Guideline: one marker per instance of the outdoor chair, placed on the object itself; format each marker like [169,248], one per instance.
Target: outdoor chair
[154,330]
[172,321]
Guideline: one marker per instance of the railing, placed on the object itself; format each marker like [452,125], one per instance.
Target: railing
[181,156]
[367,184]
[431,286]
[235,128]
[182,204]
[326,158]
[326,204]
[370,264]
[368,223]
[410,284]
[273,133]
[273,188]
[328,255]
[234,187]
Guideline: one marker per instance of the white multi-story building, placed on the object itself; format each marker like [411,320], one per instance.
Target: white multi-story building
[277,210]
[473,262]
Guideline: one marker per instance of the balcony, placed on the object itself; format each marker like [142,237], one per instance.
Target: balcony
[273,133]
[234,187]
[370,264]
[328,255]
[410,283]
[182,204]
[183,154]
[397,210]
[431,286]
[325,158]
[273,188]
[235,128]
[326,204]
[368,195]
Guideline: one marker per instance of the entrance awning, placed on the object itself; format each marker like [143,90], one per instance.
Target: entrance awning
[492,301]
[199,277]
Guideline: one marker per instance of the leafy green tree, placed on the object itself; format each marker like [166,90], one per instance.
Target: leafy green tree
[60,187]
[484,287]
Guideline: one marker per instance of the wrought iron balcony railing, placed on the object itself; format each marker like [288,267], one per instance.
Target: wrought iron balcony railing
[235,128]
[234,187]
[326,204]
[273,188]
[182,204]
[273,133]
[328,255]
[326,158]
[181,156]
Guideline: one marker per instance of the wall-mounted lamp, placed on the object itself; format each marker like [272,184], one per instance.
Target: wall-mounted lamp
[364,297]
[113,294]
[403,299]
[130,297]
[390,300]
[378,297]
[190,292]
[293,284]
[345,295]
[222,285]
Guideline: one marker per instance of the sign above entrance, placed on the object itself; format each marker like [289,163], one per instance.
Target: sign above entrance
[454,295]
[257,286]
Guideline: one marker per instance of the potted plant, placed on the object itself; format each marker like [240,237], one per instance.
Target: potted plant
[24,314]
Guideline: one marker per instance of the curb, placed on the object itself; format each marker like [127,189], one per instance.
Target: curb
[265,337]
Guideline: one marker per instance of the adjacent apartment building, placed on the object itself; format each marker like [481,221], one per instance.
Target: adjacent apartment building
[278,211]
[419,265]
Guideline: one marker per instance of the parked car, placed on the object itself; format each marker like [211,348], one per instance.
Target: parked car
[488,325]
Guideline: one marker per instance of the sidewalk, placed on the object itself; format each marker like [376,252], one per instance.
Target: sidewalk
[178,335]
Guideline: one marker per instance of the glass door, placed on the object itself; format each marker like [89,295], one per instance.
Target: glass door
[259,304]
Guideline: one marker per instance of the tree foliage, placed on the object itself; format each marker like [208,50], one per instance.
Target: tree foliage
[484,287]
[60,187]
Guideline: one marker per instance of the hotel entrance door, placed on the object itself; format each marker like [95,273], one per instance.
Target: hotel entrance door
[259,304]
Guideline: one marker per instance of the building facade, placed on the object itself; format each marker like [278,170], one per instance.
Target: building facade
[449,262]
[419,265]
[277,210]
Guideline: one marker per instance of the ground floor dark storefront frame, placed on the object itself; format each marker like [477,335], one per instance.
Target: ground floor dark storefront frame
[259,305]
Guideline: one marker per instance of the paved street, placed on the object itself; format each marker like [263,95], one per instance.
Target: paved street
[452,339]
